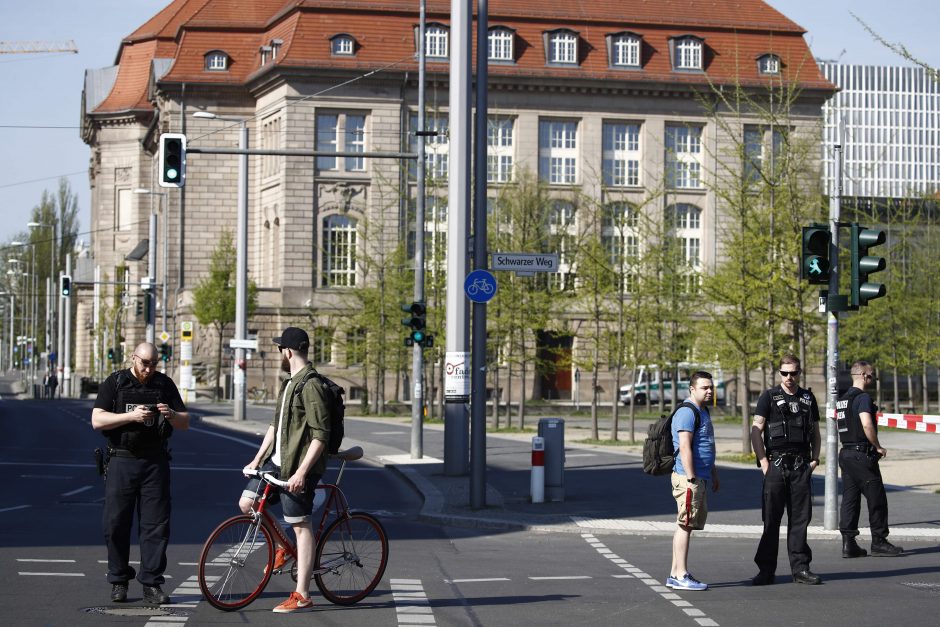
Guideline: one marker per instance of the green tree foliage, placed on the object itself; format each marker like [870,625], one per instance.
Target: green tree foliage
[214,296]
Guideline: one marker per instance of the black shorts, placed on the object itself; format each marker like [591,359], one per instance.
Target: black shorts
[295,507]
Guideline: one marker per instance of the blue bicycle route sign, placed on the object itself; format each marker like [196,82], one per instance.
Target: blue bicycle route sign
[480,286]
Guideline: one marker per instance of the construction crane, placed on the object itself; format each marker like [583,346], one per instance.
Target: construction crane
[36,47]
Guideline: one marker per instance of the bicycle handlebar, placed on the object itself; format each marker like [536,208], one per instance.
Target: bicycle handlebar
[254,472]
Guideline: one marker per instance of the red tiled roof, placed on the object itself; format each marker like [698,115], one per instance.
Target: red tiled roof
[735,33]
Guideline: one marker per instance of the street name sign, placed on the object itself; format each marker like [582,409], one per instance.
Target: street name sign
[525,264]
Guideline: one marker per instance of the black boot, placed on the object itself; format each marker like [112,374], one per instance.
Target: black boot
[850,548]
[885,549]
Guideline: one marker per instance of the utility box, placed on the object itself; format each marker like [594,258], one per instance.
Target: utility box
[552,431]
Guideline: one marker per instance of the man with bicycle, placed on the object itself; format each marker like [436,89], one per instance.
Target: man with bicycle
[295,448]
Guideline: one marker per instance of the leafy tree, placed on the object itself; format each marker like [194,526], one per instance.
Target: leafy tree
[214,296]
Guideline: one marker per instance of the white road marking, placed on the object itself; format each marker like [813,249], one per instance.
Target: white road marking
[561,577]
[78,490]
[31,574]
[30,559]
[388,433]
[14,508]
[654,584]
[411,603]
[481,579]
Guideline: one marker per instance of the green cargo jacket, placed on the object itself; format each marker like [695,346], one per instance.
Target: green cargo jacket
[307,420]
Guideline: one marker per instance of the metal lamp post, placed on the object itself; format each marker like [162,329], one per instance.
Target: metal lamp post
[53,284]
[30,327]
[152,261]
[241,261]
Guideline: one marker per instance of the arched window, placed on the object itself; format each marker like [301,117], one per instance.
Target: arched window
[339,251]
[625,50]
[500,41]
[768,64]
[685,223]
[620,238]
[687,53]
[342,45]
[217,61]
[562,47]
[436,41]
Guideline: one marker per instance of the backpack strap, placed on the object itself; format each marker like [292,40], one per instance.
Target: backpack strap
[695,411]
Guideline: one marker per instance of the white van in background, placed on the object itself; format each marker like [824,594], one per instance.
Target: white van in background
[651,383]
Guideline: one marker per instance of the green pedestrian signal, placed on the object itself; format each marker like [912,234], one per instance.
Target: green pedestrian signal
[864,264]
[814,262]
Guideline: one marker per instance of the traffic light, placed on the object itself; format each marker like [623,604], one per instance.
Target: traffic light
[172,160]
[139,308]
[814,263]
[863,264]
[165,352]
[111,354]
[417,322]
[65,285]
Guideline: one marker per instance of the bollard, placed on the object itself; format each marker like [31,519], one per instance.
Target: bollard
[537,482]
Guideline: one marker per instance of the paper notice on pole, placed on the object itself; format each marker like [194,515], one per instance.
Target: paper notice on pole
[457,377]
[186,351]
[186,377]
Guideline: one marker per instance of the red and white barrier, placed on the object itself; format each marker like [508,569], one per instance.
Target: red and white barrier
[537,481]
[913,422]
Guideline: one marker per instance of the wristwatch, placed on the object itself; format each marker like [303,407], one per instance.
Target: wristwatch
[693,480]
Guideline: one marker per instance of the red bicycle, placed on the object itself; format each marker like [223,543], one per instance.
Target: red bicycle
[237,560]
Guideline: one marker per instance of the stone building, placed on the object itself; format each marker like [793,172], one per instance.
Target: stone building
[599,99]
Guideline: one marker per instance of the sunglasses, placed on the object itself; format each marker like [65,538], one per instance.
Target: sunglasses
[146,363]
[789,373]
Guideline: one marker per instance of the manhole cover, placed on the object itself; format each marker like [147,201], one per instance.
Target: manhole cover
[927,587]
[133,610]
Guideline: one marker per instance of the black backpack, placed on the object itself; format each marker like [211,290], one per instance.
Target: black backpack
[659,456]
[333,395]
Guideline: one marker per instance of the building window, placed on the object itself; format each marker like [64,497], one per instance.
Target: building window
[343,45]
[686,223]
[355,347]
[341,132]
[321,350]
[339,252]
[499,150]
[620,238]
[558,151]
[436,147]
[768,64]
[436,41]
[500,42]
[563,233]
[683,157]
[621,158]
[271,140]
[216,61]
[122,214]
[563,47]
[625,50]
[688,53]
[760,157]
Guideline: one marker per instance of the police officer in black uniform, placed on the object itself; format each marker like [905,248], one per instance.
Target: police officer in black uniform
[137,410]
[861,474]
[785,437]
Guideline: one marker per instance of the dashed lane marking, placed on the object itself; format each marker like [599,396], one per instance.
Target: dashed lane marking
[560,577]
[654,584]
[14,508]
[77,491]
[411,603]
[33,574]
[478,580]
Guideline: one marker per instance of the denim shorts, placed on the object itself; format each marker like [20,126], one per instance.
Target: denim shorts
[295,507]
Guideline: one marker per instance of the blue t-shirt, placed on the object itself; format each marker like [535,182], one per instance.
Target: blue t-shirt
[703,441]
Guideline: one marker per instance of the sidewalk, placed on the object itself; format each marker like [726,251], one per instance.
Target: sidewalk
[606,489]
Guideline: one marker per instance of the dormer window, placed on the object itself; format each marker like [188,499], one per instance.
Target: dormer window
[436,41]
[343,45]
[217,61]
[768,64]
[275,46]
[266,53]
[687,53]
[563,47]
[500,43]
[624,50]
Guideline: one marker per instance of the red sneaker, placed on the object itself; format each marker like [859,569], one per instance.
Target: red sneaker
[280,558]
[294,603]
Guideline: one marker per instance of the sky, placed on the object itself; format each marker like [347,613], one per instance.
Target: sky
[41,93]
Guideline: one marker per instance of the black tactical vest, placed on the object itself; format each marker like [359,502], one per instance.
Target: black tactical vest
[789,425]
[850,423]
[141,439]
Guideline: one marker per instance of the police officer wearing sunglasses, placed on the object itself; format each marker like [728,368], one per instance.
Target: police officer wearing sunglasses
[785,437]
[858,460]
[137,410]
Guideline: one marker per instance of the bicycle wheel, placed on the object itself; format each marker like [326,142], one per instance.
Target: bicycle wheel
[354,552]
[235,564]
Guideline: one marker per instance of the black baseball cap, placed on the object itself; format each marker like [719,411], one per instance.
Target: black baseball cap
[294,338]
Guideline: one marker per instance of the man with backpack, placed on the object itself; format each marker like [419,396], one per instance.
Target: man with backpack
[295,447]
[694,439]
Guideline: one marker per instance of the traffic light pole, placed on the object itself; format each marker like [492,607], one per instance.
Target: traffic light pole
[417,355]
[831,511]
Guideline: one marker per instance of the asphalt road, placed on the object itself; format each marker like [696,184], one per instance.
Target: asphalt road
[52,555]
